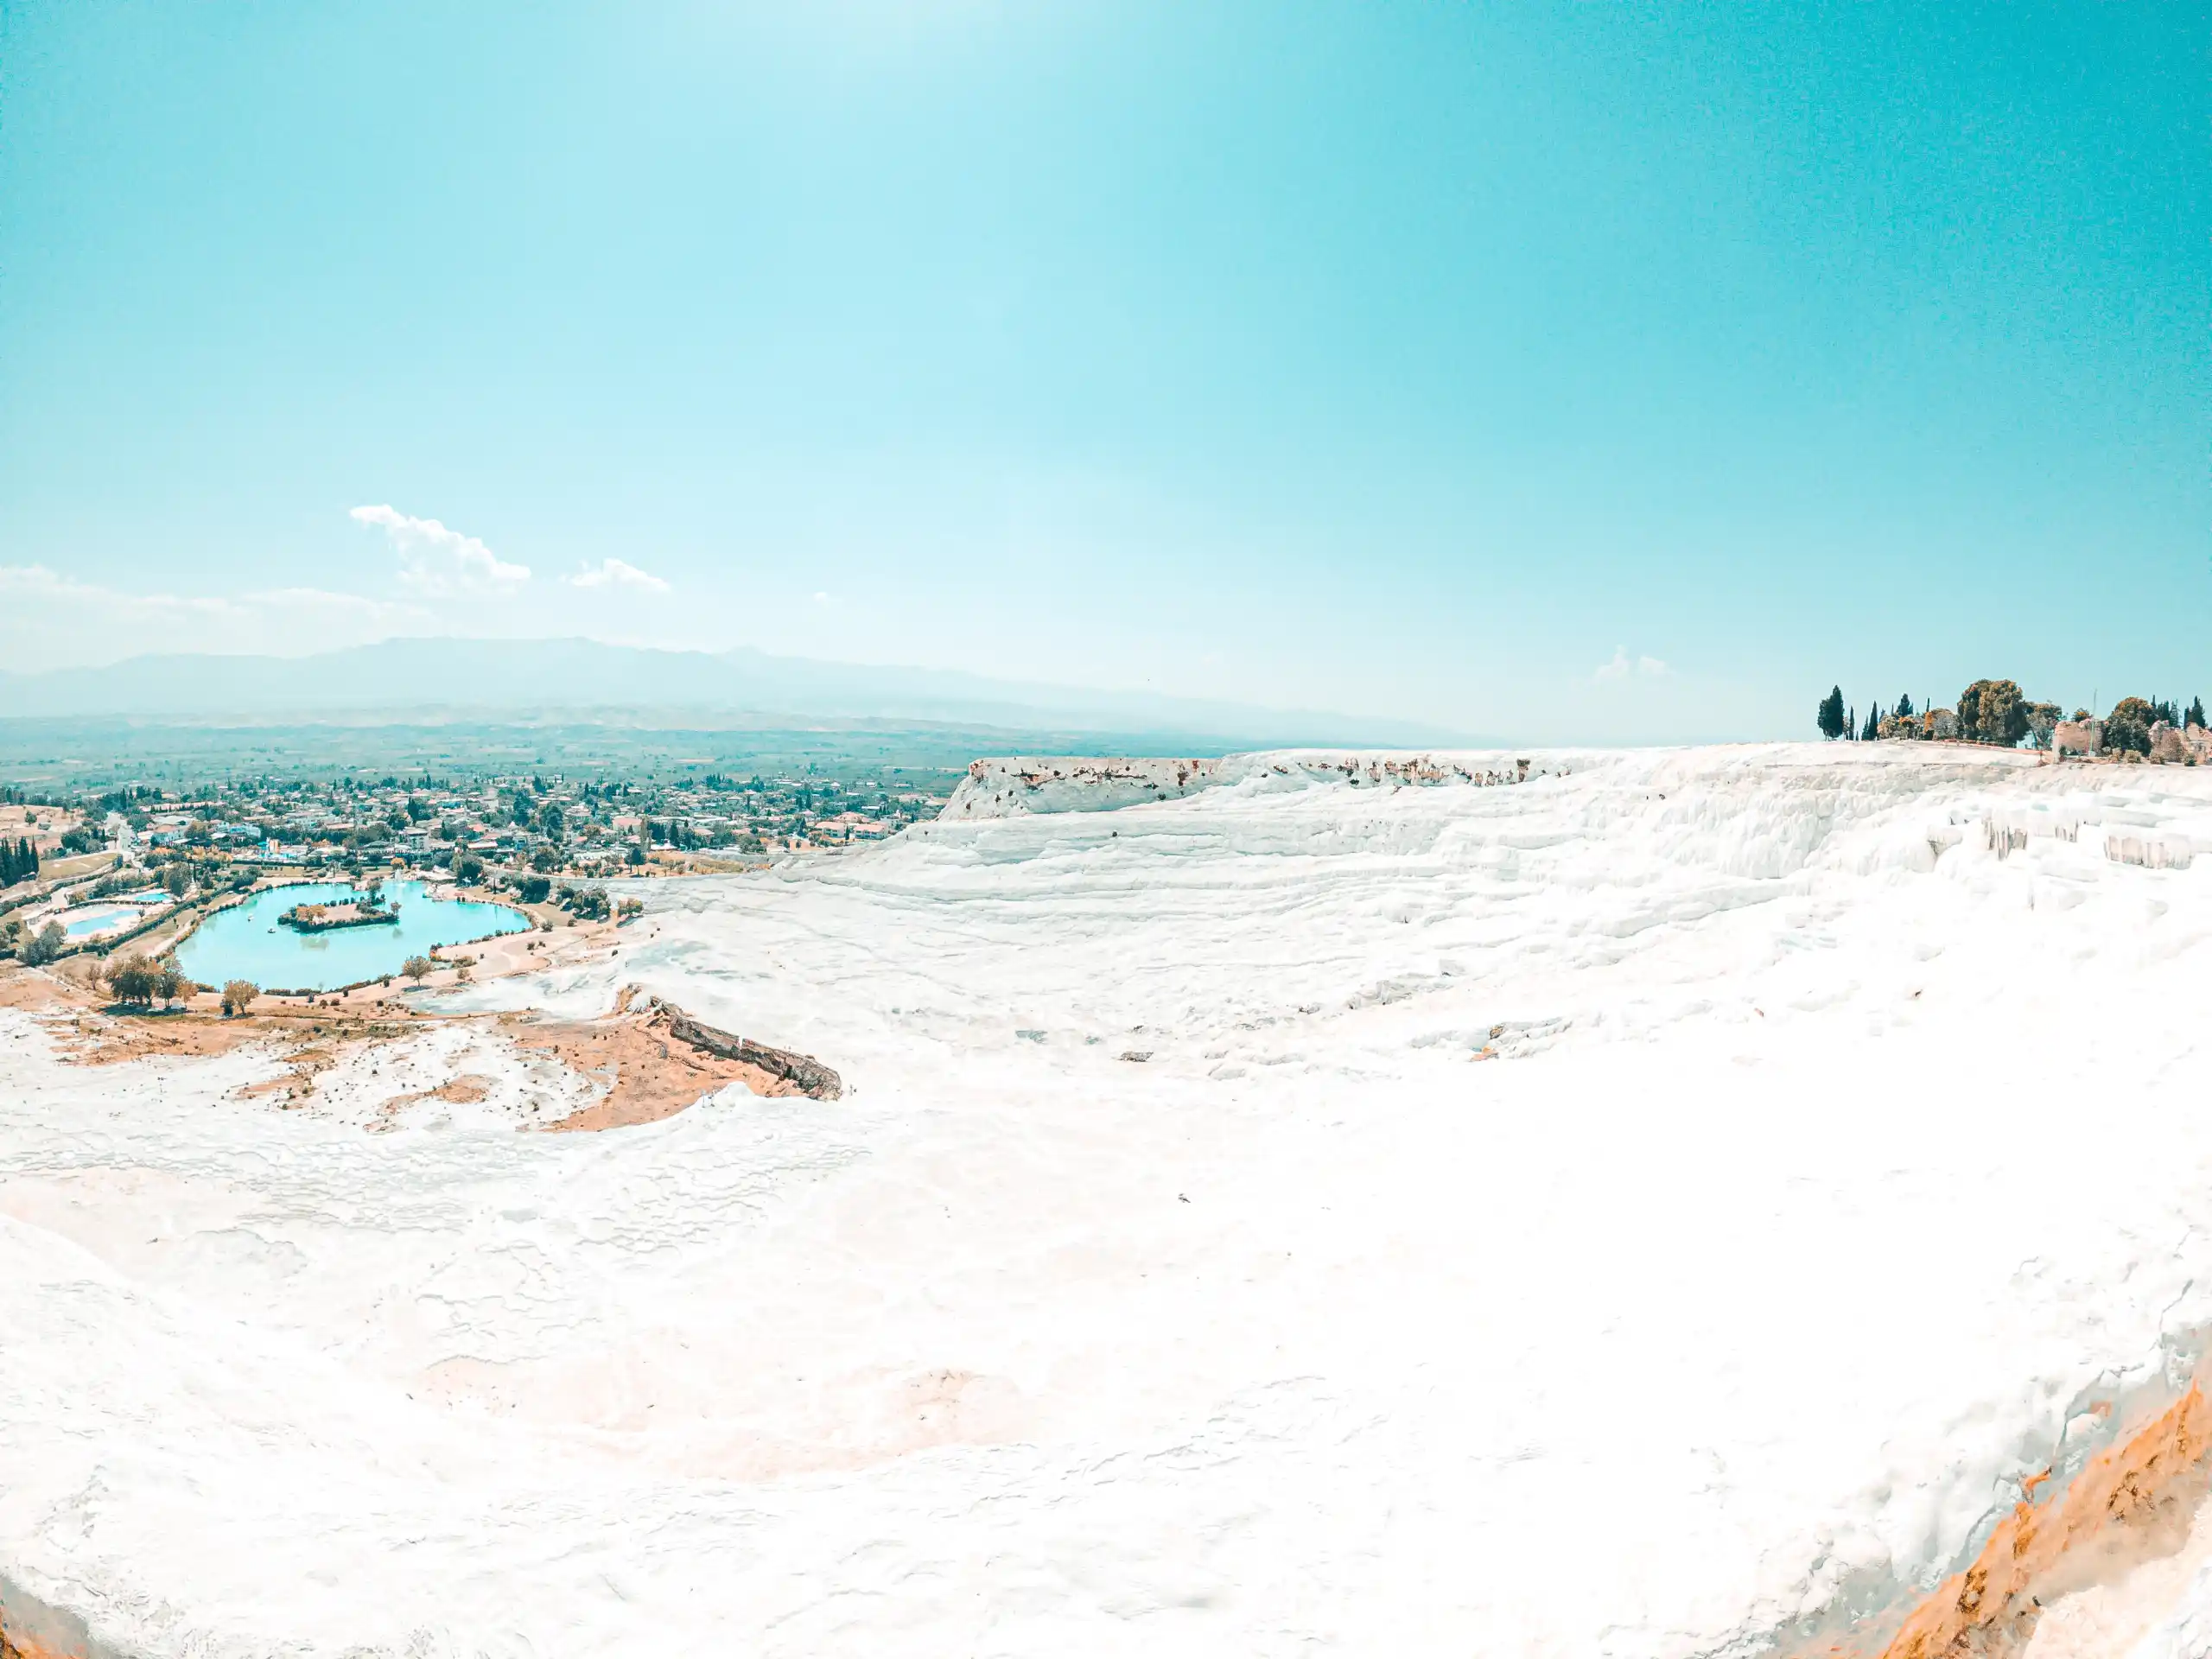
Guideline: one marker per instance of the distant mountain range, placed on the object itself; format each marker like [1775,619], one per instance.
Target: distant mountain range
[480,678]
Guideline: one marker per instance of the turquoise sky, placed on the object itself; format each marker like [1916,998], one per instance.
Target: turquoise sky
[1619,371]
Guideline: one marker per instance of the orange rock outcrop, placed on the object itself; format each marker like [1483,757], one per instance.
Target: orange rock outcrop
[2133,1501]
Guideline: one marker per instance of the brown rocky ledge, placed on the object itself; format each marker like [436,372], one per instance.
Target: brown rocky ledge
[2132,1503]
[31,1630]
[658,1060]
[653,1058]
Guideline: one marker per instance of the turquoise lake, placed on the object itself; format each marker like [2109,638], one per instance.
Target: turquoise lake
[246,942]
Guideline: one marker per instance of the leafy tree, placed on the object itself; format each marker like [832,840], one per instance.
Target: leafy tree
[176,878]
[169,983]
[1993,711]
[588,904]
[551,821]
[468,868]
[133,979]
[44,945]
[1831,719]
[637,853]
[2128,726]
[239,996]
[418,969]
[533,889]
[2043,718]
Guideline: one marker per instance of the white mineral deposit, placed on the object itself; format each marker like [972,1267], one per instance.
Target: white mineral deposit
[1646,1204]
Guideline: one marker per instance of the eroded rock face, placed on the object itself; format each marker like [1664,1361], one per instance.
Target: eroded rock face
[1019,786]
[2078,737]
[2132,1503]
[31,1630]
[810,1077]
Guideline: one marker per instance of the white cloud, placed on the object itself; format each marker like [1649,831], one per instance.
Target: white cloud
[36,582]
[617,573]
[439,562]
[51,619]
[1622,665]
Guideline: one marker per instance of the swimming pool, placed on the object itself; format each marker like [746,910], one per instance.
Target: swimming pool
[246,942]
[101,918]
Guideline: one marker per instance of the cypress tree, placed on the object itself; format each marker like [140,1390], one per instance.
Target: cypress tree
[1831,713]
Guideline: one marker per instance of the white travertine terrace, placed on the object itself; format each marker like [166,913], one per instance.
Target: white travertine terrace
[1615,1213]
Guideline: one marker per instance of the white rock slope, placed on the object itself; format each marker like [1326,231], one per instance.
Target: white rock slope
[1615,1213]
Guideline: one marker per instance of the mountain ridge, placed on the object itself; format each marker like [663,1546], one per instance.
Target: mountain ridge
[399,676]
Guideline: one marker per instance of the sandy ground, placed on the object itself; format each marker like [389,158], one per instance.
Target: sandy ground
[631,1073]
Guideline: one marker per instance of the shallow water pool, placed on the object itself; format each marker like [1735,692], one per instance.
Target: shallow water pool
[102,919]
[246,942]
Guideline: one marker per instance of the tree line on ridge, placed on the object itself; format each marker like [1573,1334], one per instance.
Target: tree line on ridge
[1996,711]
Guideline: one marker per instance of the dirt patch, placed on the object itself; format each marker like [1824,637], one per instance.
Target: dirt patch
[463,1091]
[650,1076]
[93,1036]
[568,946]
[653,1060]
[37,993]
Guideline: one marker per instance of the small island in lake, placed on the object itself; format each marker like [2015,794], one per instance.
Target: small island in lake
[368,910]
